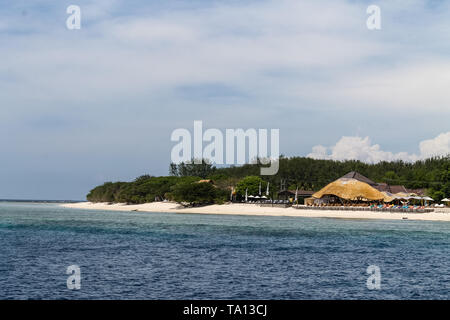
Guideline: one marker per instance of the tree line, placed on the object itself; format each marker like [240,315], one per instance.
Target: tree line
[182,185]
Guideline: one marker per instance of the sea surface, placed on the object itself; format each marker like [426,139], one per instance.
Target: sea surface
[137,255]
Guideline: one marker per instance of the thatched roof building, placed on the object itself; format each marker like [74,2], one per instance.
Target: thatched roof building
[394,189]
[353,189]
[358,176]
[356,187]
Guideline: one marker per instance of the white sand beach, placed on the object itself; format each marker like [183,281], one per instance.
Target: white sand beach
[254,209]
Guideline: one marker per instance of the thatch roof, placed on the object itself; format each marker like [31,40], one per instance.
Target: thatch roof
[419,191]
[358,176]
[388,197]
[384,187]
[350,189]
[398,189]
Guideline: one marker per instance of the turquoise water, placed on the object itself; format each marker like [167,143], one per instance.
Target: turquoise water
[136,255]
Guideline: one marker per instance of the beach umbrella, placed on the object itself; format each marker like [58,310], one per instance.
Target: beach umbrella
[426,199]
[445,200]
[417,198]
[263,197]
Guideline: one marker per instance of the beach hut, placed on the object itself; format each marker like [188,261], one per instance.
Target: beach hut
[350,189]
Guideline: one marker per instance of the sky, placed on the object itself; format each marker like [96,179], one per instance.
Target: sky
[81,107]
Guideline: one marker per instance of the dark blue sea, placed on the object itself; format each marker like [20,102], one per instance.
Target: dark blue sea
[137,255]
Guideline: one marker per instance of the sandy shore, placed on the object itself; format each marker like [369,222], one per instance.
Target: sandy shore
[253,209]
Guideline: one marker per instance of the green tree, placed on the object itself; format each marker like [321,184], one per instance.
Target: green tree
[250,183]
[432,174]
[390,176]
[185,169]
[194,193]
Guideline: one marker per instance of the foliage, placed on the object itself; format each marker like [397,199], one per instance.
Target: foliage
[305,173]
[194,193]
[186,169]
[141,190]
[310,174]
[251,184]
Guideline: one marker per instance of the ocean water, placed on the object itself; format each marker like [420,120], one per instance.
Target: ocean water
[137,255]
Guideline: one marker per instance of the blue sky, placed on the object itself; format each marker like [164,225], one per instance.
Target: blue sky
[80,107]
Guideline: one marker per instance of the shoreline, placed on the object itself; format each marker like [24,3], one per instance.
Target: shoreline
[256,210]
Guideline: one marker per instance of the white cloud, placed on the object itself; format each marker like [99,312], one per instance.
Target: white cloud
[358,148]
[435,147]
[323,47]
